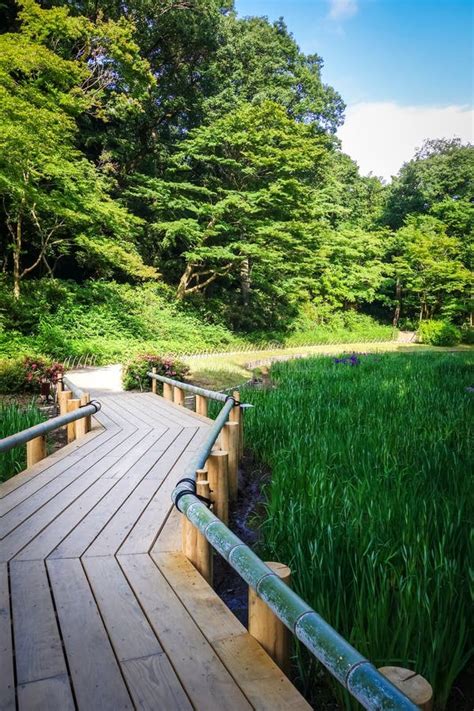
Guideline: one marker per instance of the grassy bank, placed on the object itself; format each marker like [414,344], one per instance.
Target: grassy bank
[14,418]
[370,501]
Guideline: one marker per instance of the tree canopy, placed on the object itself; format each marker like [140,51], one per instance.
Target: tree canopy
[173,141]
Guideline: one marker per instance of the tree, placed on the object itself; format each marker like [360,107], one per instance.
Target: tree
[441,170]
[52,195]
[428,271]
[238,205]
[257,61]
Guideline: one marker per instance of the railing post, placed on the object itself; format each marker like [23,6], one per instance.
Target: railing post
[63,397]
[267,629]
[201,405]
[35,450]
[230,443]
[218,477]
[168,391]
[203,547]
[82,426]
[189,539]
[153,382]
[85,400]
[412,685]
[71,427]
[178,396]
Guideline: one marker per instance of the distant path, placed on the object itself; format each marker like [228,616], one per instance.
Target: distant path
[102,380]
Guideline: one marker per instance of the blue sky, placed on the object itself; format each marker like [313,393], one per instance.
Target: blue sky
[389,56]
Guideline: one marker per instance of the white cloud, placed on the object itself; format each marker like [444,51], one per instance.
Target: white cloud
[382,136]
[342,9]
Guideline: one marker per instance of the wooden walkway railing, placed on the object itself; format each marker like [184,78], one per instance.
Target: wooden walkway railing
[209,481]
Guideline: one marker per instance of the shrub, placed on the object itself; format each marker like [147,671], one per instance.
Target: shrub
[439,333]
[467,334]
[27,374]
[135,374]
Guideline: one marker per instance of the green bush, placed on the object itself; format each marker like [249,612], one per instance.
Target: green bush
[467,334]
[439,333]
[12,375]
[15,419]
[135,373]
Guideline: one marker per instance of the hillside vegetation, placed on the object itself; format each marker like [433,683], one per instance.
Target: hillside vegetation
[170,177]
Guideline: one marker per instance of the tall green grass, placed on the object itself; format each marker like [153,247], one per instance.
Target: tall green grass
[14,418]
[371,502]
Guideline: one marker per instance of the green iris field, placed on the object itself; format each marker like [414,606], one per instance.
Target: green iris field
[14,418]
[370,502]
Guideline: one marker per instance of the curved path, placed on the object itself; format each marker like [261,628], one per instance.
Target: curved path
[98,607]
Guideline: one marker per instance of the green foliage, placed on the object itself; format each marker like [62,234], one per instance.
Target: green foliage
[12,375]
[135,372]
[14,418]
[439,333]
[373,512]
[467,334]
[26,373]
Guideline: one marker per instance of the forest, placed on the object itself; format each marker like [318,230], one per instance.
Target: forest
[170,157]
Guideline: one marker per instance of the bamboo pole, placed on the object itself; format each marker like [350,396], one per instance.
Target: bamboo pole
[71,427]
[230,444]
[168,391]
[153,382]
[412,685]
[178,396]
[35,450]
[218,477]
[201,405]
[266,628]
[85,400]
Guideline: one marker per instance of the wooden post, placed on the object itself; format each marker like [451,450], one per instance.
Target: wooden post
[178,396]
[63,397]
[71,427]
[412,684]
[168,391]
[230,444]
[35,450]
[85,400]
[189,539]
[236,416]
[153,382]
[267,629]
[201,405]
[218,477]
[203,548]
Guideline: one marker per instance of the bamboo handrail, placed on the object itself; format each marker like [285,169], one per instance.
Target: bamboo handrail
[353,671]
[43,428]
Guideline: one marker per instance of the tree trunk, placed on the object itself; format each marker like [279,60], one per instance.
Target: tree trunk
[16,258]
[398,307]
[184,281]
[245,281]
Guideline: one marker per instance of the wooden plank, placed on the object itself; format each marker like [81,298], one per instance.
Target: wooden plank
[83,535]
[154,685]
[96,677]
[53,693]
[128,629]
[206,681]
[38,649]
[70,470]
[263,683]
[7,681]
[111,537]
[200,600]
[169,538]
[79,481]
[259,677]
[33,473]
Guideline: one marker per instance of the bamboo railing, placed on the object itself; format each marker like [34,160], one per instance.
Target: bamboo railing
[211,480]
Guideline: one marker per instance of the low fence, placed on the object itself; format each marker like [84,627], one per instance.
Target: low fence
[211,481]
[75,415]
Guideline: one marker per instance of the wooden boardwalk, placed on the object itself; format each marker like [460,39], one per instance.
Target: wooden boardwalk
[98,607]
